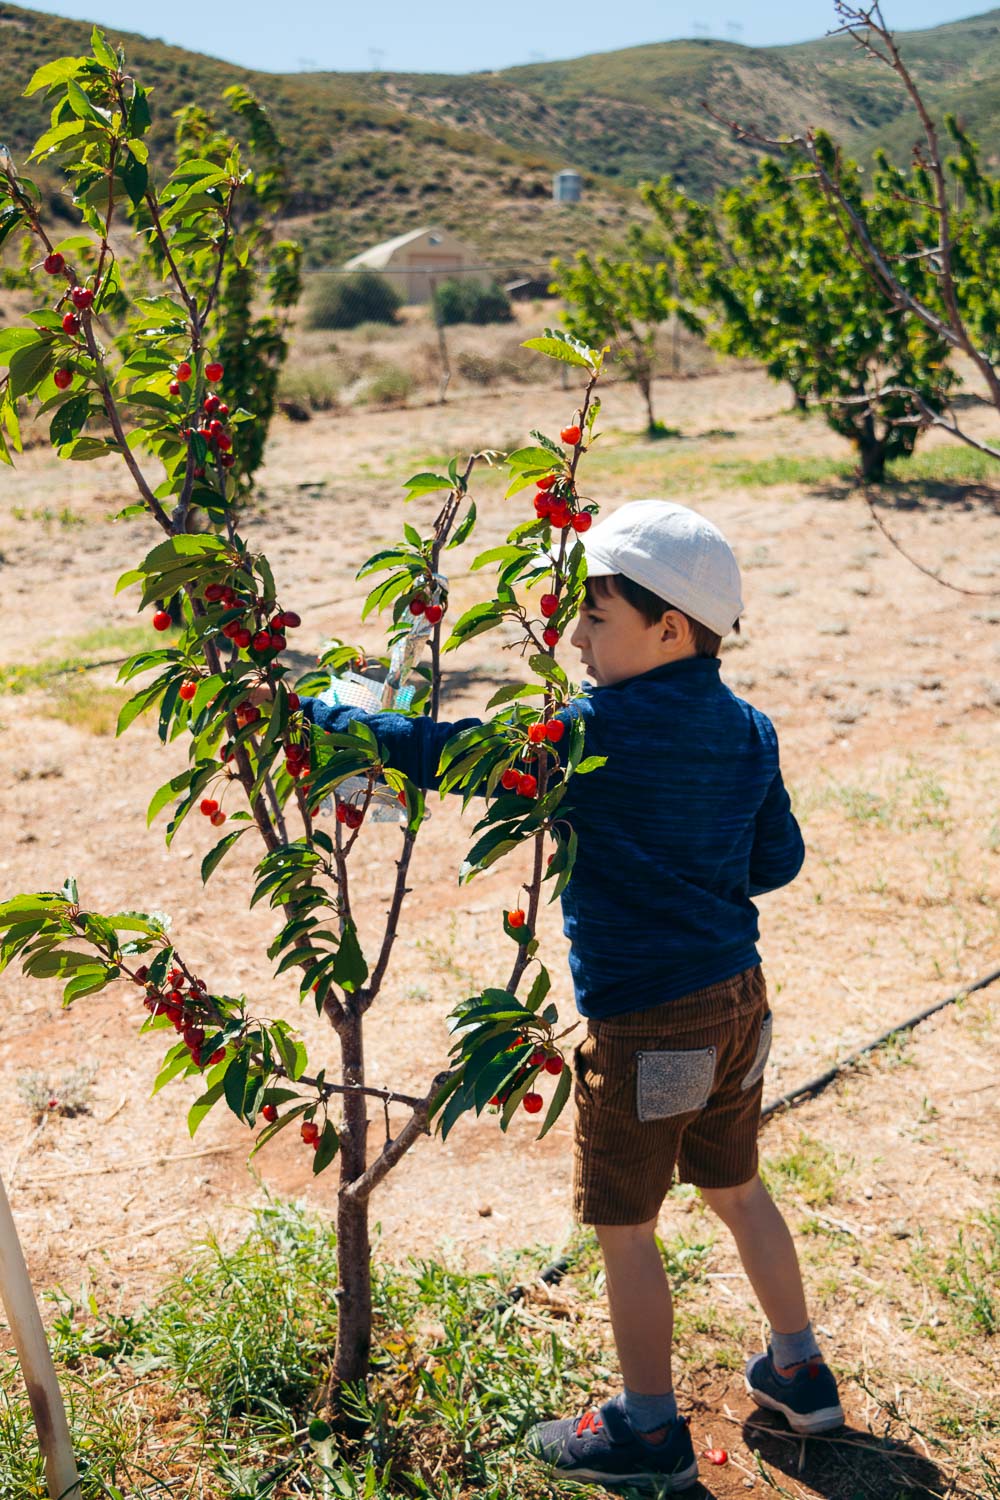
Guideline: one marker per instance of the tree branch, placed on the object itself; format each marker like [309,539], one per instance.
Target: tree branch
[416,1126]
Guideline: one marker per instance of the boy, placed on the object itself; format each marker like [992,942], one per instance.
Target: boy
[687,821]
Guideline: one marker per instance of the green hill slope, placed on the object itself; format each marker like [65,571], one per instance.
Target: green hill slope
[373,155]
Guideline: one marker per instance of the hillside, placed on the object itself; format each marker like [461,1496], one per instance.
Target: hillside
[371,155]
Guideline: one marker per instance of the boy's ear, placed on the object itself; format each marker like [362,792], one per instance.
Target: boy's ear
[673,627]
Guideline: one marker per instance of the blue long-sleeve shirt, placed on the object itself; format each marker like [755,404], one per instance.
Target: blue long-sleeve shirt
[688,820]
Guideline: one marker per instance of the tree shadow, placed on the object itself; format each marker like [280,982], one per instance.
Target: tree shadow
[917,494]
[844,1464]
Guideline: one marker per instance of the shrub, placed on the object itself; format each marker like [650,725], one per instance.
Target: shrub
[458,301]
[388,385]
[345,301]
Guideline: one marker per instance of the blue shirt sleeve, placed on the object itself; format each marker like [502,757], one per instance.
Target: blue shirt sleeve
[778,848]
[412,746]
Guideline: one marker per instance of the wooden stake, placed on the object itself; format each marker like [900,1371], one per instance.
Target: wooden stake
[36,1361]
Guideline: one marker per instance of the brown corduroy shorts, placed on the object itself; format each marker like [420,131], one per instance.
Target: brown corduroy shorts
[677,1085]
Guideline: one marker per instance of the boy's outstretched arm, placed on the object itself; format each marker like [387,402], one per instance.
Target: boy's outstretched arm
[778,849]
[412,746]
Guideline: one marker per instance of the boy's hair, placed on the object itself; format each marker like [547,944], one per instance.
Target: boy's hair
[653,608]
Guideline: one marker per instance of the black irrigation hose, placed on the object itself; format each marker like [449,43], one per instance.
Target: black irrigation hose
[817,1085]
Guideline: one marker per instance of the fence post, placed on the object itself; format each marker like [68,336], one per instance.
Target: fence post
[36,1361]
[442,343]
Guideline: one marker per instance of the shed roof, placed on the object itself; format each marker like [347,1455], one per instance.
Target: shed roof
[380,255]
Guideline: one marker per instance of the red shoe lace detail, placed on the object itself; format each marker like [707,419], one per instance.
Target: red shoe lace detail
[813,1368]
[590,1422]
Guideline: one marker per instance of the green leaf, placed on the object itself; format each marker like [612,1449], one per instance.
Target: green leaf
[475,621]
[85,448]
[559,1099]
[426,484]
[88,980]
[52,73]
[177,1060]
[294,1057]
[81,105]
[29,366]
[531,458]
[203,1104]
[69,419]
[102,51]
[234,1082]
[464,527]
[329,1144]
[215,856]
[350,969]
[562,349]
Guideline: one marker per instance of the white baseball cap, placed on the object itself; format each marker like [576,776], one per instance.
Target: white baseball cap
[674,552]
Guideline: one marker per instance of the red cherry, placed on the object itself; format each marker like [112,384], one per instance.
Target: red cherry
[209,806]
[353,816]
[227,460]
[242,638]
[527,786]
[548,604]
[211,405]
[54,263]
[141,974]
[543,505]
[582,522]
[82,298]
[63,378]
[217,1055]
[223,441]
[278,643]
[213,372]
[554,730]
[183,371]
[716,1455]
[277,623]
[509,779]
[309,1130]
[550,637]
[262,641]
[561,516]
[292,620]
[194,1035]
[570,435]
[418,604]
[217,819]
[215,428]
[537,1058]
[433,613]
[341,812]
[71,323]
[187,691]
[537,734]
[174,388]
[532,1103]
[269,1112]
[547,481]
[553,1064]
[223,409]
[161,620]
[516,918]
[214,593]
[294,702]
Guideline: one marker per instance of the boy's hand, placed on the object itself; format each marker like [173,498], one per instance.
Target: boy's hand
[262,694]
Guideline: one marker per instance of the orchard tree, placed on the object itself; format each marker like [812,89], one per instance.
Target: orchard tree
[621,301]
[764,270]
[220,686]
[955,299]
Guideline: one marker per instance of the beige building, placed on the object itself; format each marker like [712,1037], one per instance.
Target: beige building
[414,261]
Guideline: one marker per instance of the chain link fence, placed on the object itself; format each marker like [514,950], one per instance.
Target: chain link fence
[417,334]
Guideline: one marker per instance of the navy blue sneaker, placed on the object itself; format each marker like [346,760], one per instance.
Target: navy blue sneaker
[601,1445]
[808,1400]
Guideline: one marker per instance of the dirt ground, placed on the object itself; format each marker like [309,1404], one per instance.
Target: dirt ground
[885,689]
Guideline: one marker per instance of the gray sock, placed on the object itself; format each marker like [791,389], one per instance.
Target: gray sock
[646,1413]
[791,1348]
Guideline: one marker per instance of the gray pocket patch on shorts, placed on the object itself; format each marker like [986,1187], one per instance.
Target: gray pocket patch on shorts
[760,1056]
[673,1083]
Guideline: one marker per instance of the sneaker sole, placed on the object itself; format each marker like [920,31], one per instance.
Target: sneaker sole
[823,1420]
[665,1482]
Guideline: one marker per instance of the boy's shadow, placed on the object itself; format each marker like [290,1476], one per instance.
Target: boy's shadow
[838,1466]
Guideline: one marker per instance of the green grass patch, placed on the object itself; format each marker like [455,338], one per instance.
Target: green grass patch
[212,1390]
[76,654]
[969,1280]
[810,1170]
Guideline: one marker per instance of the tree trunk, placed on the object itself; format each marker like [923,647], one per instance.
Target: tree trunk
[354,1290]
[646,386]
[871,450]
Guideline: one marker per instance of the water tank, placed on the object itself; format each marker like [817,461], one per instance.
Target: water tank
[567,187]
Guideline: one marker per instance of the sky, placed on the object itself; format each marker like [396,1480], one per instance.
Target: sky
[455,36]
